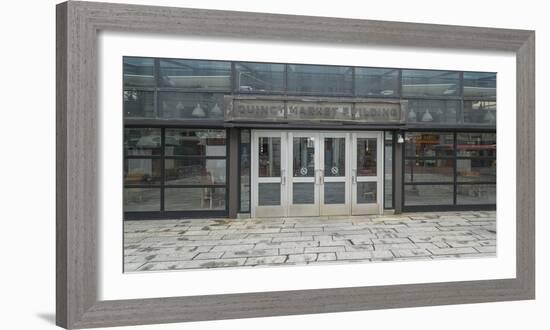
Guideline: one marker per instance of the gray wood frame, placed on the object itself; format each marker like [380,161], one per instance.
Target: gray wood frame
[77,191]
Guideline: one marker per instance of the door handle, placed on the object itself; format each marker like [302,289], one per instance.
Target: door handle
[283,177]
[353,176]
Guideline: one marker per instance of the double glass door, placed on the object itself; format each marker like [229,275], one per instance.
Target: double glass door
[308,173]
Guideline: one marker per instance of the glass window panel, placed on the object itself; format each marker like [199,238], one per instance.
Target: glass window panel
[476,144]
[335,192]
[429,144]
[319,79]
[191,199]
[141,199]
[260,77]
[388,170]
[303,157]
[142,171]
[377,82]
[429,170]
[244,151]
[480,112]
[142,141]
[269,155]
[366,192]
[303,193]
[195,171]
[139,72]
[191,105]
[429,195]
[366,157]
[269,194]
[476,194]
[480,84]
[430,83]
[432,111]
[195,75]
[139,104]
[335,157]
[476,170]
[195,142]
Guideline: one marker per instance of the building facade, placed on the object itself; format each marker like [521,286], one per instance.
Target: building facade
[207,138]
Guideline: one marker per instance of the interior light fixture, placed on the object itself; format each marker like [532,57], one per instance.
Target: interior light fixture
[198,111]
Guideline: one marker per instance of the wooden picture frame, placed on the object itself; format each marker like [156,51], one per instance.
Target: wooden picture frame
[78,24]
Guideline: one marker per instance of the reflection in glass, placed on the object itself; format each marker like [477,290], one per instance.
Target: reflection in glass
[429,194]
[191,105]
[377,82]
[480,112]
[195,171]
[320,79]
[335,192]
[476,170]
[303,157]
[269,157]
[388,170]
[195,142]
[335,157]
[139,104]
[366,192]
[269,194]
[259,77]
[142,141]
[432,111]
[480,84]
[141,199]
[476,144]
[430,83]
[476,194]
[190,199]
[303,193]
[138,72]
[195,74]
[142,171]
[429,170]
[366,157]
[244,152]
[429,144]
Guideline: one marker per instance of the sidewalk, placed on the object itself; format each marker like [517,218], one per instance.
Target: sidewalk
[158,245]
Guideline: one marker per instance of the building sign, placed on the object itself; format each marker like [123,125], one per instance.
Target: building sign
[318,111]
[286,110]
[255,110]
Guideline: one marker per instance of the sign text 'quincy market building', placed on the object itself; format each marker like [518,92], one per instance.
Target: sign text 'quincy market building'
[337,110]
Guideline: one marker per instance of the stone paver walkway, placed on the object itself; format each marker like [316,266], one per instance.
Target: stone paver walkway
[157,245]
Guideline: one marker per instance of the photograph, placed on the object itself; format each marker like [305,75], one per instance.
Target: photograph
[218,163]
[261,164]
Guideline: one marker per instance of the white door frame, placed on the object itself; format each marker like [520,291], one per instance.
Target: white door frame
[303,209]
[271,210]
[334,209]
[286,180]
[368,208]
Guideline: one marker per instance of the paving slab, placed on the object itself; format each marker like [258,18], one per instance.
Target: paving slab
[182,244]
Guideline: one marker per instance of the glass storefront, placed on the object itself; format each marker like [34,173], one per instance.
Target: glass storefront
[449,169]
[176,136]
[174,169]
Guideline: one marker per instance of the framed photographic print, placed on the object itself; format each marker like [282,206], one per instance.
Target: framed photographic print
[217,164]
